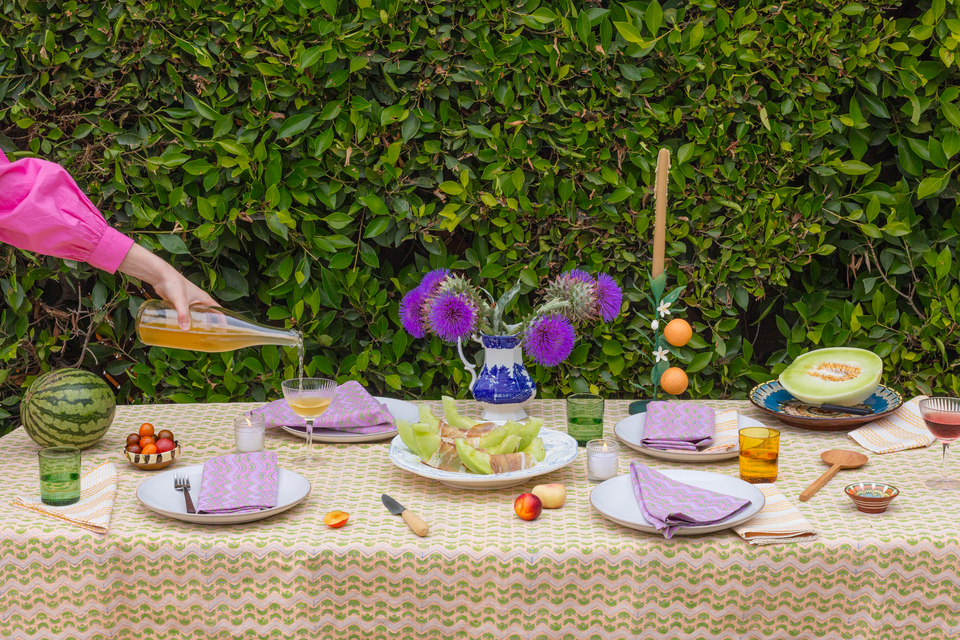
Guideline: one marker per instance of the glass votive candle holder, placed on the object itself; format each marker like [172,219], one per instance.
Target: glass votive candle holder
[249,433]
[603,460]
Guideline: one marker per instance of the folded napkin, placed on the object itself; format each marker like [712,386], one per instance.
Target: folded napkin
[670,505]
[98,489]
[678,426]
[352,409]
[903,429]
[239,483]
[778,521]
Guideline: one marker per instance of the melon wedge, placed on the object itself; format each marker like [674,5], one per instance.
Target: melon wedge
[536,449]
[453,417]
[474,459]
[427,440]
[530,431]
[833,376]
[508,445]
[405,430]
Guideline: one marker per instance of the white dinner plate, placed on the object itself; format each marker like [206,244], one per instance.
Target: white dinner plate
[399,409]
[615,500]
[561,450]
[157,494]
[630,432]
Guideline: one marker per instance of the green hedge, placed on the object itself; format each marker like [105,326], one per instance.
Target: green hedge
[305,160]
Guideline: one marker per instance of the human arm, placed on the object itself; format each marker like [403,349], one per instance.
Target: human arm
[43,210]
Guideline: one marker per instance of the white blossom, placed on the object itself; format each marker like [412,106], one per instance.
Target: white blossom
[664,309]
[661,355]
[655,324]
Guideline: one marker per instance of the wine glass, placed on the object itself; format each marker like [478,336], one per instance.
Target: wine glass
[942,417]
[308,398]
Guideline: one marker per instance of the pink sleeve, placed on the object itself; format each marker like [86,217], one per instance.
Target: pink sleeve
[43,210]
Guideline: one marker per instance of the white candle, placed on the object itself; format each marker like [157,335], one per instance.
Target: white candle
[249,432]
[602,460]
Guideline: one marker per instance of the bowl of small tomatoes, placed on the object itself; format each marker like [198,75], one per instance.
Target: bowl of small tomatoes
[150,449]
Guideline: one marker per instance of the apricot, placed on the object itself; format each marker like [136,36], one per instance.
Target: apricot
[551,495]
[528,506]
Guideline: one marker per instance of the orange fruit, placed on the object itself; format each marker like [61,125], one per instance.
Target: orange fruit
[336,519]
[678,332]
[674,381]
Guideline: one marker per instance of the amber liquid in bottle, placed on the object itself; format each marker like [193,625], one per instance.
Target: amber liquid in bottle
[212,329]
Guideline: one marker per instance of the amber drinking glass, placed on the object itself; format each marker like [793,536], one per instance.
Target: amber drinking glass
[759,453]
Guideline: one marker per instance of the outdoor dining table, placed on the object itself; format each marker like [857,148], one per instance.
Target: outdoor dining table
[481,572]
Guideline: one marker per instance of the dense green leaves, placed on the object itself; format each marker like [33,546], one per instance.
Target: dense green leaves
[305,160]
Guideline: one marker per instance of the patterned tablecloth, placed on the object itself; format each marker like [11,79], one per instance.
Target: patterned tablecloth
[482,572]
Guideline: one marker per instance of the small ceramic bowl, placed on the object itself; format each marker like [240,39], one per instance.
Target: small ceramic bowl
[872,497]
[153,461]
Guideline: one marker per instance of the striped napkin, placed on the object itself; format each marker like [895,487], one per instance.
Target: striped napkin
[778,521]
[901,430]
[98,489]
[726,432]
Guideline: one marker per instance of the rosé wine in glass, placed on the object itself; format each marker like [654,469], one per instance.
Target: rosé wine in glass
[942,417]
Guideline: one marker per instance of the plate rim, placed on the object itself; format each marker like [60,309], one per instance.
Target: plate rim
[824,423]
[683,531]
[221,518]
[682,456]
[476,480]
[332,436]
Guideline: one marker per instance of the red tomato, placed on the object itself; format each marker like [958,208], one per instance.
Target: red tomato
[165,433]
[134,448]
[146,429]
[165,444]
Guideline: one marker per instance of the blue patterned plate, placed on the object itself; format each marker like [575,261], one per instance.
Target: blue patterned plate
[773,399]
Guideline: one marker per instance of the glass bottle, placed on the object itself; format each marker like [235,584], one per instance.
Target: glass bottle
[212,329]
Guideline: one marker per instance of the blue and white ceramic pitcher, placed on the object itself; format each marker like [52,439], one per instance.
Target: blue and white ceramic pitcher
[503,388]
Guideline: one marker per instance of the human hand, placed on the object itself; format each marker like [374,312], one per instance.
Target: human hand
[167,281]
[182,293]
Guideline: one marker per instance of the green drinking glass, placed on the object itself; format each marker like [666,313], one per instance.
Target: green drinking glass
[59,476]
[585,417]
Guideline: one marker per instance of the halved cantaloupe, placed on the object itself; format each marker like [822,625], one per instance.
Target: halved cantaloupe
[833,376]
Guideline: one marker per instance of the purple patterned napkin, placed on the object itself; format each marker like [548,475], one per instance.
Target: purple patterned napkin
[669,505]
[239,483]
[677,426]
[352,409]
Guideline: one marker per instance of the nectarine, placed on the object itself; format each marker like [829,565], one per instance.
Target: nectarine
[528,506]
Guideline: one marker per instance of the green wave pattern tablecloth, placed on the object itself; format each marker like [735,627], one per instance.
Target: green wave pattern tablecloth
[482,572]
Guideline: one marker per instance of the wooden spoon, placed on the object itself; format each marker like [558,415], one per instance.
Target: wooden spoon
[838,459]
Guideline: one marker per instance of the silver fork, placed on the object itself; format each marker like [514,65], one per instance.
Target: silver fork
[182,483]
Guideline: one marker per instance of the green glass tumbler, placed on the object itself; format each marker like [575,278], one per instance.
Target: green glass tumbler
[585,417]
[59,476]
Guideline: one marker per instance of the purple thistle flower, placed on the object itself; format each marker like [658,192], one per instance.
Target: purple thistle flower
[433,279]
[609,297]
[451,316]
[549,339]
[579,275]
[411,314]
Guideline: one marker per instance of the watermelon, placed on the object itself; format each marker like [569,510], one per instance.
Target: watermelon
[68,408]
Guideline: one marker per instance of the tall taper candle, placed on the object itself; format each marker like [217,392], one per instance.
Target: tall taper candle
[660,221]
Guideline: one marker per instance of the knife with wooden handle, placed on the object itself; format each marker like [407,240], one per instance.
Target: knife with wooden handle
[415,522]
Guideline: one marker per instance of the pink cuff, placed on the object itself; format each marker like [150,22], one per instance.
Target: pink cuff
[110,250]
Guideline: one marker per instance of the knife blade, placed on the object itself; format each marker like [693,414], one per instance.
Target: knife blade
[415,522]
[830,408]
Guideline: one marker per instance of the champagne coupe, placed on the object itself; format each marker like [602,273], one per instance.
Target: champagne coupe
[309,398]
[942,417]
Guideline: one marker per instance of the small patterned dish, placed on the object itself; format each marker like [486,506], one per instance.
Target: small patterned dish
[871,497]
[153,461]
[773,399]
